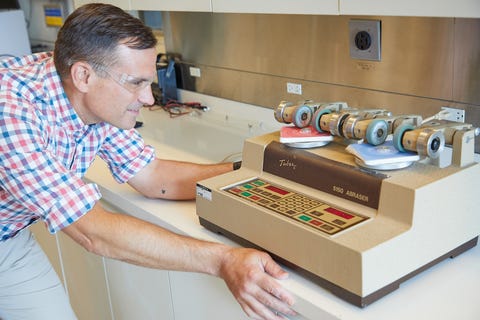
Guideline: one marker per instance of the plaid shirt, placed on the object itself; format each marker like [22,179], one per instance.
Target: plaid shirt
[45,149]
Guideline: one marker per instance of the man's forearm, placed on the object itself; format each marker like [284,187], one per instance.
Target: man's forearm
[132,240]
[176,180]
[249,274]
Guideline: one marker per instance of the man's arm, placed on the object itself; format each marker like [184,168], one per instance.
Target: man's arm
[248,273]
[176,180]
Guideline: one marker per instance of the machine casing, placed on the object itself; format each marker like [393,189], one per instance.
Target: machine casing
[423,214]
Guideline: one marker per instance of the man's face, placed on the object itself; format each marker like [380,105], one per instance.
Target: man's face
[123,89]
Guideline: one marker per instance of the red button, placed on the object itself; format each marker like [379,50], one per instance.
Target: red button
[339,213]
[277,190]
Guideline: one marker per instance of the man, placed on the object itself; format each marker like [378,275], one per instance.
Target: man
[56,114]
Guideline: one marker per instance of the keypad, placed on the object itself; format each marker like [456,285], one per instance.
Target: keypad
[303,209]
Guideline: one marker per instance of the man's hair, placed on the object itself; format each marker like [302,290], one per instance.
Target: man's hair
[93,32]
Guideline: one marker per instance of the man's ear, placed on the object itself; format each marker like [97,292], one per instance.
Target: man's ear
[81,74]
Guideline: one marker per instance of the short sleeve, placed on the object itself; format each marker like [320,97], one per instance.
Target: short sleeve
[126,154]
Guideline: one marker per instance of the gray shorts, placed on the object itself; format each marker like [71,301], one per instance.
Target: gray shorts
[29,286]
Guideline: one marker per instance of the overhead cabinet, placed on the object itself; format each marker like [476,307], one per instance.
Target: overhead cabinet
[426,8]
[124,4]
[172,5]
[329,7]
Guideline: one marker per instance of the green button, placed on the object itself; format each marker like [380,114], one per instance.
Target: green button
[246,194]
[247,186]
[304,217]
[259,182]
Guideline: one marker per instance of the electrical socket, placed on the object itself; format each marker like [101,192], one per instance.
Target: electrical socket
[454,114]
[195,72]
[294,88]
[365,39]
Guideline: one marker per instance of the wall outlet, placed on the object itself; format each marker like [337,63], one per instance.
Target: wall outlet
[294,88]
[195,72]
[365,39]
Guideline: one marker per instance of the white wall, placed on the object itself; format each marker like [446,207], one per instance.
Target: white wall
[39,33]
[13,44]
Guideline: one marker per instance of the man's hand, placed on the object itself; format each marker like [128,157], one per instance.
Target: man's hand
[249,274]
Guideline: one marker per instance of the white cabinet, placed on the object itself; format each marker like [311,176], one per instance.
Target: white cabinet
[172,5]
[428,8]
[138,293]
[277,6]
[156,5]
[86,281]
[150,294]
[124,4]
[83,274]
[106,289]
[101,288]
[202,297]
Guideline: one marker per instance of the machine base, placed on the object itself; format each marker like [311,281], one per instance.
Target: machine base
[333,288]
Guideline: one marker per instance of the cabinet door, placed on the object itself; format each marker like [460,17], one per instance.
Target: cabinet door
[277,6]
[86,281]
[202,297]
[172,5]
[138,293]
[124,4]
[428,8]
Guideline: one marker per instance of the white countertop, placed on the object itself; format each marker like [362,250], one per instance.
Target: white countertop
[448,290]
